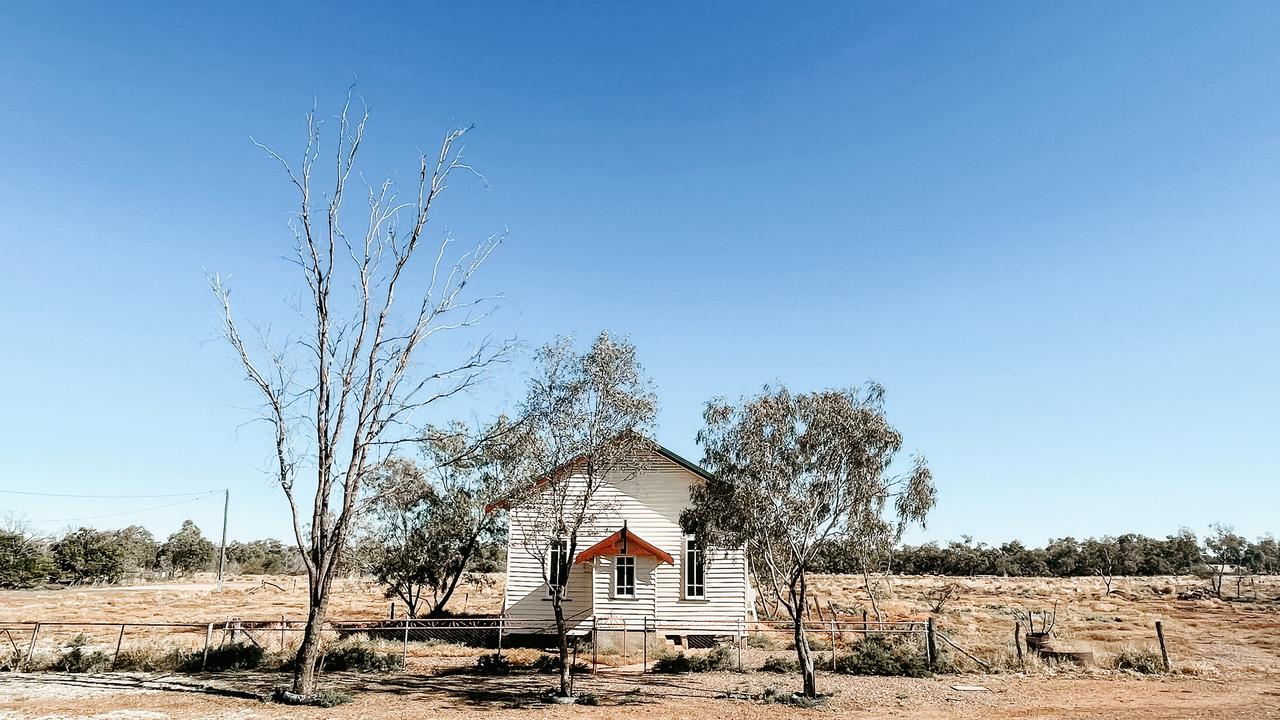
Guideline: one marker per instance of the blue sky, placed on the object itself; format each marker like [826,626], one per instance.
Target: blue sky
[1048,229]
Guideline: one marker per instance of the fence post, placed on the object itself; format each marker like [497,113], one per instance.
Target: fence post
[283,624]
[742,640]
[594,643]
[501,622]
[119,642]
[1017,639]
[31,649]
[644,642]
[864,622]
[931,646]
[624,642]
[404,652]
[1164,653]
[208,638]
[833,642]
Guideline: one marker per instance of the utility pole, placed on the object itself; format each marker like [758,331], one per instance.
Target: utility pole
[222,549]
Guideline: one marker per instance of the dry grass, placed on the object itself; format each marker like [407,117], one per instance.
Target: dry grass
[1206,638]
[246,597]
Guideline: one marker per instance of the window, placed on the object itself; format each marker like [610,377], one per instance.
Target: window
[695,586]
[624,576]
[558,564]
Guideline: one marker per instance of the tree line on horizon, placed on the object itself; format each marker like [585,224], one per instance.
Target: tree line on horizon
[1133,554]
[87,556]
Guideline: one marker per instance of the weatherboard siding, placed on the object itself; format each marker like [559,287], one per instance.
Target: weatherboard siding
[651,503]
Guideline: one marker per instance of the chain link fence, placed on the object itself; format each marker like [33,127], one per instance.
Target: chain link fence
[435,646]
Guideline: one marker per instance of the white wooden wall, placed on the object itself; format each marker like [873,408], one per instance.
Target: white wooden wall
[651,502]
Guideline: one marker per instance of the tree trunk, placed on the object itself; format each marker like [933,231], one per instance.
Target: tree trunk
[308,658]
[803,655]
[871,593]
[563,632]
[465,557]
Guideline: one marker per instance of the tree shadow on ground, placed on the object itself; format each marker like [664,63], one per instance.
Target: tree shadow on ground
[474,690]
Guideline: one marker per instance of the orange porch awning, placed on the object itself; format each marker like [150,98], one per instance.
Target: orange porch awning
[624,542]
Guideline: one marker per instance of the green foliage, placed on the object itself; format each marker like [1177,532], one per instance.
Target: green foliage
[361,657]
[773,695]
[776,664]
[879,655]
[586,698]
[550,665]
[87,555]
[25,560]
[138,548]
[187,551]
[264,557]
[236,656]
[320,698]
[721,658]
[428,525]
[1140,660]
[1128,554]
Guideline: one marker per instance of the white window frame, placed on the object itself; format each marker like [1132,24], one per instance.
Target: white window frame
[561,548]
[619,562]
[693,557]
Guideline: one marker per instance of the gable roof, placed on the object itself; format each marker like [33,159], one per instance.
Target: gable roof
[662,451]
[682,462]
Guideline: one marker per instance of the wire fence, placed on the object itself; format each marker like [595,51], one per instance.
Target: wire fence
[633,645]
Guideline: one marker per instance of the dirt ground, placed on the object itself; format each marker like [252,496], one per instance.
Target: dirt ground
[50,696]
[1226,657]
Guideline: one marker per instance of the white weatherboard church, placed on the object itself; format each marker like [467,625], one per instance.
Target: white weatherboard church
[639,570]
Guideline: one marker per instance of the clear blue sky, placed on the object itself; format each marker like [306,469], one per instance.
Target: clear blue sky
[1049,229]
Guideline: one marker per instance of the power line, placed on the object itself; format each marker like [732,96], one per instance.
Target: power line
[108,497]
[129,512]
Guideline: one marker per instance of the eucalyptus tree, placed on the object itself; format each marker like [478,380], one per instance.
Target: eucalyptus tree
[380,304]
[588,416]
[429,521]
[793,472]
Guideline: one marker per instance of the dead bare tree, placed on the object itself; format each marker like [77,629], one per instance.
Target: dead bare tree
[342,397]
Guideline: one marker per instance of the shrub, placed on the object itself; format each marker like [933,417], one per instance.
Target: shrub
[587,699]
[329,698]
[721,658]
[818,642]
[1140,660]
[776,664]
[320,698]
[361,657]
[152,657]
[237,656]
[877,655]
[74,658]
[759,641]
[774,695]
[492,664]
[10,659]
[550,664]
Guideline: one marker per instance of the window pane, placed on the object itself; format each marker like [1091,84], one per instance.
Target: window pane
[694,570]
[624,576]
[555,563]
